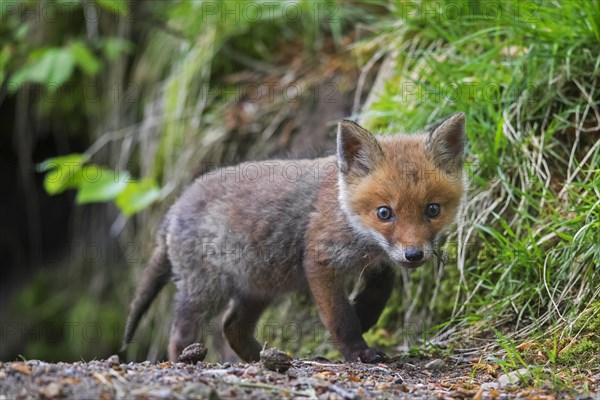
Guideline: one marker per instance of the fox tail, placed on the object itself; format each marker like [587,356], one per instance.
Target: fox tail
[156,276]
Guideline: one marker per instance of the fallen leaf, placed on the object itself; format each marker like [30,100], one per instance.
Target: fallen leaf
[70,380]
[22,368]
[526,346]
[106,396]
[486,367]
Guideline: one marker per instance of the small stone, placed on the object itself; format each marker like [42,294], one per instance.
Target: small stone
[399,380]
[193,353]
[276,360]
[251,371]
[514,378]
[214,372]
[51,391]
[113,361]
[435,364]
[199,390]
[164,393]
[486,386]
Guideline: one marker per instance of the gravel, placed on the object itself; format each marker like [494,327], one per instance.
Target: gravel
[113,379]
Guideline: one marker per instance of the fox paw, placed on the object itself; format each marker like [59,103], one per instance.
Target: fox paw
[369,356]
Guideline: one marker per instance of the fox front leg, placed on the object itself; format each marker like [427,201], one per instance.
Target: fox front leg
[372,293]
[338,315]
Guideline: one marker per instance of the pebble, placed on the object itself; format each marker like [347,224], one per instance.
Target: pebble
[435,364]
[51,391]
[215,372]
[489,386]
[193,354]
[113,361]
[251,371]
[163,393]
[276,360]
[199,390]
[514,378]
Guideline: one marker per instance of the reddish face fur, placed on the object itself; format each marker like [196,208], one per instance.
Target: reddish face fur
[406,180]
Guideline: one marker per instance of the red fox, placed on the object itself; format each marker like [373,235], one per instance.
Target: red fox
[239,236]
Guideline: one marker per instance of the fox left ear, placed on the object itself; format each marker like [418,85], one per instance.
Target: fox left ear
[358,150]
[446,143]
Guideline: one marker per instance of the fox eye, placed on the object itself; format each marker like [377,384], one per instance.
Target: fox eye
[432,210]
[384,213]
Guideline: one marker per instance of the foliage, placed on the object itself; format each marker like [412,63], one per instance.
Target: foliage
[86,329]
[97,184]
[528,242]
[523,261]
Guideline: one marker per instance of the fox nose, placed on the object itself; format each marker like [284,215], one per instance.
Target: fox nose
[414,254]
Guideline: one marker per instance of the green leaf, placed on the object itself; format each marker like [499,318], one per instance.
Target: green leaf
[4,57]
[21,33]
[137,196]
[119,7]
[112,47]
[99,184]
[57,162]
[86,60]
[62,172]
[54,66]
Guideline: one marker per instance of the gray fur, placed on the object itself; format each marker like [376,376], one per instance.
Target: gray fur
[241,235]
[230,236]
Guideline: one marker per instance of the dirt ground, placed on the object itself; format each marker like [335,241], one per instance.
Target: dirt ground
[414,378]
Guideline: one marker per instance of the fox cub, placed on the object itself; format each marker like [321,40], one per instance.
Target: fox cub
[239,236]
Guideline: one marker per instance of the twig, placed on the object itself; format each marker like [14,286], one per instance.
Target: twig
[320,364]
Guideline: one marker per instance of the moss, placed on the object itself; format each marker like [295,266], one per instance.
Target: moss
[584,352]
[590,322]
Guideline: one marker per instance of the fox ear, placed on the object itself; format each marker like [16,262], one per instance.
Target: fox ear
[446,143]
[357,149]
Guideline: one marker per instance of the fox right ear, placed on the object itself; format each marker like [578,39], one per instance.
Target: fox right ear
[446,143]
[357,149]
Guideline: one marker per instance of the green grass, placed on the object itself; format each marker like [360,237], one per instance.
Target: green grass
[528,244]
[523,262]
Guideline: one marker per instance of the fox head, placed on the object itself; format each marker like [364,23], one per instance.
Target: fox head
[402,191]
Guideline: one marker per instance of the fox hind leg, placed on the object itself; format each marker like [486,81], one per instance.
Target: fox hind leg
[191,313]
[371,295]
[239,324]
